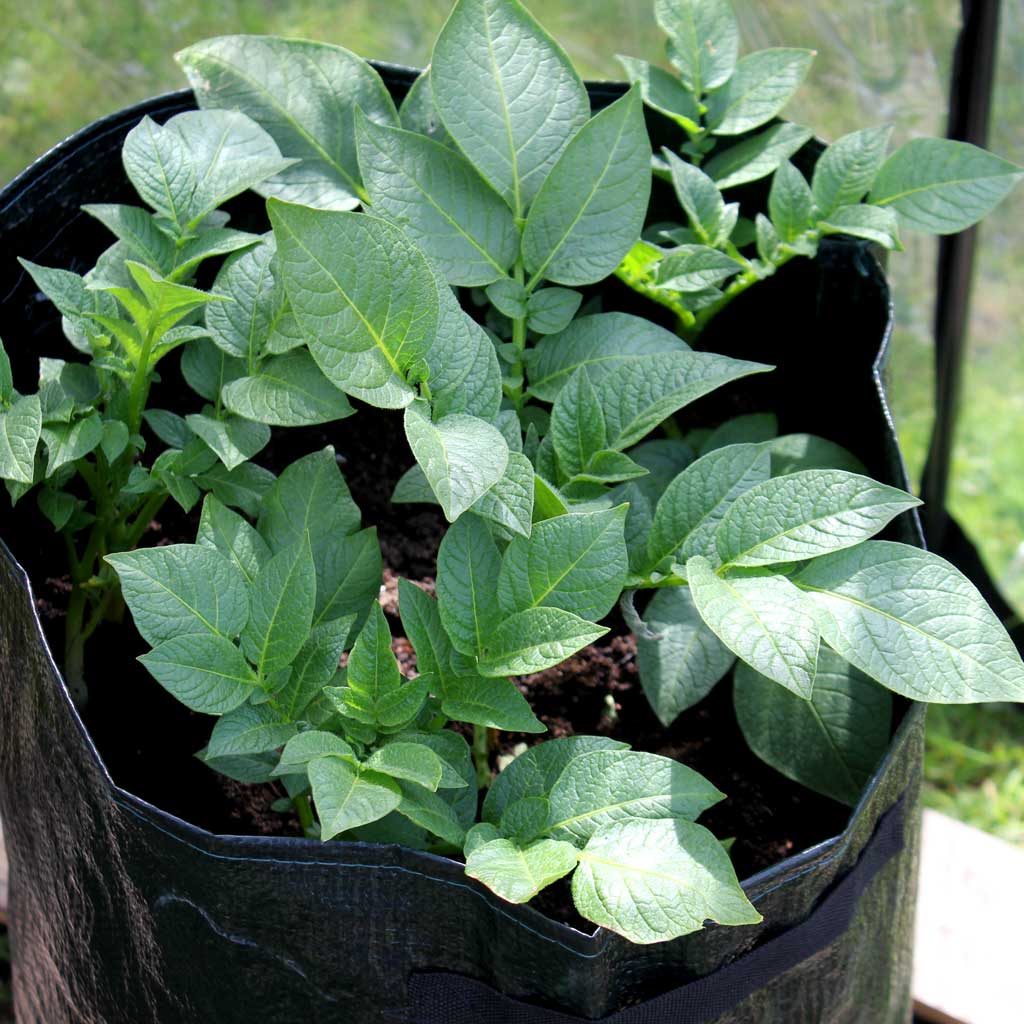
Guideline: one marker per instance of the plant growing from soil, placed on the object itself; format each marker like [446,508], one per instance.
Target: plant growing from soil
[727,108]
[542,426]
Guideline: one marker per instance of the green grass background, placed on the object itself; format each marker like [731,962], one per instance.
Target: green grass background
[64,63]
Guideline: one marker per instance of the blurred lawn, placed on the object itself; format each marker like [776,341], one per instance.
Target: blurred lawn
[64,63]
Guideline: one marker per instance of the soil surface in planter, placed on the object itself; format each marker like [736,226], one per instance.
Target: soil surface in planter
[147,738]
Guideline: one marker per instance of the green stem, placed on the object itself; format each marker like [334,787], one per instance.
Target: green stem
[519,341]
[140,383]
[482,756]
[137,527]
[305,813]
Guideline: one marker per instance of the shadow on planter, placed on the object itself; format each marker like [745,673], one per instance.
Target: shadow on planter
[122,912]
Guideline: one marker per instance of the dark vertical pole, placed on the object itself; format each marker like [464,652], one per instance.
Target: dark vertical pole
[970,103]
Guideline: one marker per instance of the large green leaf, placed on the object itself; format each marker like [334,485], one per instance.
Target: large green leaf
[20,428]
[704,40]
[282,599]
[759,88]
[638,395]
[756,156]
[846,170]
[509,503]
[348,575]
[878,224]
[832,742]
[605,786]
[305,95]
[765,620]
[314,666]
[662,91]
[364,295]
[517,873]
[227,532]
[65,442]
[347,797]
[461,456]
[941,186]
[197,160]
[576,562]
[802,515]
[409,761]
[289,391]
[182,589]
[432,812]
[699,196]
[467,584]
[495,703]
[249,729]
[205,671]
[577,424]
[372,669]
[694,268]
[535,771]
[507,94]
[912,621]
[680,659]
[440,201]
[600,342]
[535,639]
[138,229]
[655,880]
[591,208]
[309,497]
[422,623]
[234,439]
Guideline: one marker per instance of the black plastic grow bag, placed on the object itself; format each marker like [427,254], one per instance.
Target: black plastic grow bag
[121,912]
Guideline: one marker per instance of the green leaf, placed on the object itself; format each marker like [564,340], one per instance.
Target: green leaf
[288,391]
[169,427]
[58,506]
[363,294]
[877,224]
[846,170]
[577,424]
[314,666]
[348,576]
[509,297]
[197,160]
[205,671]
[432,812]
[437,197]
[576,562]
[138,229]
[115,439]
[249,729]
[518,873]
[757,156]
[535,639]
[534,772]
[802,515]
[227,532]
[495,703]
[692,268]
[767,239]
[6,379]
[20,429]
[248,768]
[912,621]
[750,428]
[509,503]
[242,488]
[550,310]
[305,94]
[467,580]
[662,92]
[399,708]
[765,620]
[704,40]
[418,113]
[74,300]
[650,881]
[410,761]
[794,452]
[181,589]
[601,342]
[309,497]
[207,369]
[65,442]
[640,394]
[347,797]
[306,747]
[941,186]
[372,669]
[235,440]
[591,208]
[694,504]
[790,203]
[607,467]
[604,786]
[682,661]
[832,742]
[461,456]
[212,242]
[508,95]
[464,372]
[282,599]
[526,819]
[700,198]
[761,86]
[422,622]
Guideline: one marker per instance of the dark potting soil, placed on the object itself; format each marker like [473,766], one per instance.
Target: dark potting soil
[147,738]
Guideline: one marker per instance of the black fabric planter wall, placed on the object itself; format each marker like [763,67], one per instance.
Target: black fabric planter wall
[123,913]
